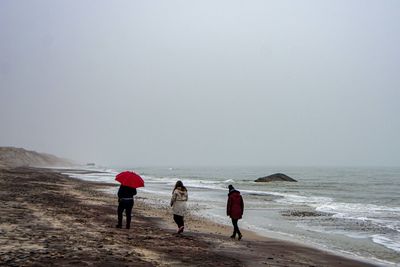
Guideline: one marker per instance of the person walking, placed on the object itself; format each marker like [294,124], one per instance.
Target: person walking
[234,209]
[125,200]
[178,204]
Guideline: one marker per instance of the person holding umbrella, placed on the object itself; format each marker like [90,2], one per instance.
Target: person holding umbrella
[178,204]
[234,209]
[129,182]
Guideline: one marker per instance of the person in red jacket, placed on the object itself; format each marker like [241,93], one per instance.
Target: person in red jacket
[234,209]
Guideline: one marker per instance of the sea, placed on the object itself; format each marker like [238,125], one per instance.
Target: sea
[352,211]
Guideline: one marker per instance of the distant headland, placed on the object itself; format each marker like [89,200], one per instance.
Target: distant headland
[20,157]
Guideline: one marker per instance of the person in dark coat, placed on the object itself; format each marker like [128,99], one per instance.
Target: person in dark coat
[234,209]
[125,200]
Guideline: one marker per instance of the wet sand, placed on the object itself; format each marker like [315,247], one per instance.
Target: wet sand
[50,219]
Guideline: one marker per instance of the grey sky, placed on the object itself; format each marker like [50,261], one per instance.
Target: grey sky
[202,82]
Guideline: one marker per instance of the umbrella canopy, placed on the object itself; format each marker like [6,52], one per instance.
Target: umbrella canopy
[129,178]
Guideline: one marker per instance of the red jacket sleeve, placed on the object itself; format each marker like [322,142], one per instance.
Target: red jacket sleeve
[242,204]
[228,207]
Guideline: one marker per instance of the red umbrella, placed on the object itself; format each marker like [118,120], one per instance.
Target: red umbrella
[130,179]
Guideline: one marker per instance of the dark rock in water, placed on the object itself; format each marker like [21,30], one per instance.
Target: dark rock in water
[276,177]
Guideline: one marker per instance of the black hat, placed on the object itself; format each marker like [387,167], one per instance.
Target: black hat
[230,187]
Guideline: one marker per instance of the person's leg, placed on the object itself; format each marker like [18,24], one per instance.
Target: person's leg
[181,224]
[179,220]
[176,219]
[120,211]
[128,211]
[234,223]
[237,229]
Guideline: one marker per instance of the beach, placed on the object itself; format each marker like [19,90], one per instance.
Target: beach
[51,219]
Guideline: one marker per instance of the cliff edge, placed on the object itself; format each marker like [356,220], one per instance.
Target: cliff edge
[18,157]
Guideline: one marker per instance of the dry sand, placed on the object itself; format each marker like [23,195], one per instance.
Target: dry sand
[49,219]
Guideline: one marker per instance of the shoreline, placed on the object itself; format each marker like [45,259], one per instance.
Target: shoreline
[49,218]
[206,225]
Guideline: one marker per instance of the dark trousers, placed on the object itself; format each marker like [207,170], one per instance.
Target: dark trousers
[235,227]
[179,220]
[126,205]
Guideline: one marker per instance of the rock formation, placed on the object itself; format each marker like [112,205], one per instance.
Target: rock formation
[276,177]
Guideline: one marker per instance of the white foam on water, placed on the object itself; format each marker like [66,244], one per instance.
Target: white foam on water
[381,216]
[165,179]
[194,183]
[261,193]
[156,192]
[170,181]
[290,198]
[306,200]
[205,185]
[387,242]
[351,208]
[93,177]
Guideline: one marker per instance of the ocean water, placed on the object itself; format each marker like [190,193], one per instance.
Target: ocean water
[352,211]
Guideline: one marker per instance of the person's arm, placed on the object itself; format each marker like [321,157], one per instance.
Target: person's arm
[119,194]
[242,204]
[134,191]
[228,207]
[173,198]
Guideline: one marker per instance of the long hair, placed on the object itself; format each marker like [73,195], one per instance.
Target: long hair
[179,184]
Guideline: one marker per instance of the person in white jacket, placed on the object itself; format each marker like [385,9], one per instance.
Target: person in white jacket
[178,204]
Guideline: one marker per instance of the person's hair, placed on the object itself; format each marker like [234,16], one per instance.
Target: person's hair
[179,184]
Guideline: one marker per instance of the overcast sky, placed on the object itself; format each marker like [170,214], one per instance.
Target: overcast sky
[202,82]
